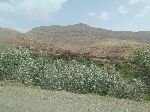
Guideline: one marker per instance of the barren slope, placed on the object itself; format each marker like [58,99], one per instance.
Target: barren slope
[80,39]
[8,36]
[83,33]
[96,42]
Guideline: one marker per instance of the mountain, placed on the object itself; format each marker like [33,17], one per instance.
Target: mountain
[79,40]
[94,42]
[8,36]
[82,33]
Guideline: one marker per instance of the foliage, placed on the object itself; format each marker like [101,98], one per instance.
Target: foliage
[71,75]
[126,71]
[141,59]
[10,60]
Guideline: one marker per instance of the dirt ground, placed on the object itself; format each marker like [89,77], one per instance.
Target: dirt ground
[15,97]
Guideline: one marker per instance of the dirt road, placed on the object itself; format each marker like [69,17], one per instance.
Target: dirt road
[15,97]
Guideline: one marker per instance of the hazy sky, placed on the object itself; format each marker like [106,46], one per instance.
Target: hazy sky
[23,15]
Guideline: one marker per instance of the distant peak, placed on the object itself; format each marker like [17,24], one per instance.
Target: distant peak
[81,24]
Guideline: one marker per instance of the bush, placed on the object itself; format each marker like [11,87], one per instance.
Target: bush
[134,90]
[10,60]
[30,71]
[76,77]
[17,64]
[68,75]
[141,59]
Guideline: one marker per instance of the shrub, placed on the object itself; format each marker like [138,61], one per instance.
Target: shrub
[141,59]
[30,71]
[124,89]
[74,76]
[10,60]
[79,78]
[17,64]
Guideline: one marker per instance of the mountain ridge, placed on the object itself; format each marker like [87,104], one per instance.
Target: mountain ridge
[84,33]
[77,41]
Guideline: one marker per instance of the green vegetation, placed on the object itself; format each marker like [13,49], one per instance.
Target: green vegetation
[141,60]
[69,75]
[126,71]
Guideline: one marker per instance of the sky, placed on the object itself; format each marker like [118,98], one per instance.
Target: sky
[120,15]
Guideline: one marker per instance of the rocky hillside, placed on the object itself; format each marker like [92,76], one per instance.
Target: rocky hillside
[94,42]
[82,33]
[76,41]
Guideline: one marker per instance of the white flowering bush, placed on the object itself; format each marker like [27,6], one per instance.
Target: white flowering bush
[141,59]
[73,76]
[76,77]
[124,89]
[10,60]
[30,71]
[17,64]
